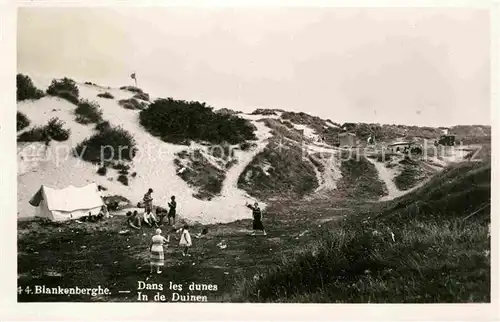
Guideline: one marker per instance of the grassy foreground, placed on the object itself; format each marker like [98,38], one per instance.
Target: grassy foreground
[424,247]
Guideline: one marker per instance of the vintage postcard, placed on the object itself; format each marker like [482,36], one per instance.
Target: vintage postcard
[254,155]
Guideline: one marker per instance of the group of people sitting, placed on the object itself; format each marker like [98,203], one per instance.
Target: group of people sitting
[103,213]
[134,220]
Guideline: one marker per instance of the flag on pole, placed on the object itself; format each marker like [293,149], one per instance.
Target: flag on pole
[134,78]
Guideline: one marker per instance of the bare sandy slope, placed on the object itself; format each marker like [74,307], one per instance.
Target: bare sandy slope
[387,175]
[153,164]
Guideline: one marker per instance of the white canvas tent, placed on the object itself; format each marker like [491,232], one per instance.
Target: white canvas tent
[67,203]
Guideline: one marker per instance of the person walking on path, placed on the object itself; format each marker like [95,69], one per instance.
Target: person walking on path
[185,240]
[156,249]
[172,211]
[257,218]
[148,201]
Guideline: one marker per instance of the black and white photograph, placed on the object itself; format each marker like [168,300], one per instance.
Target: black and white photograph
[254,154]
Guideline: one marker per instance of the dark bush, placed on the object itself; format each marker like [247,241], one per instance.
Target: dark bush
[56,131]
[123,179]
[103,125]
[65,88]
[132,89]
[245,146]
[120,166]
[116,144]
[36,134]
[180,121]
[26,90]
[134,174]
[22,121]
[88,112]
[53,130]
[102,171]
[132,104]
[141,96]
[90,83]
[105,95]
[264,111]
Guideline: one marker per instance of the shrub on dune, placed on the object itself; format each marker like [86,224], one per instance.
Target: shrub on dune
[141,96]
[179,121]
[123,179]
[36,134]
[106,95]
[88,112]
[103,125]
[132,104]
[65,88]
[109,144]
[102,171]
[22,121]
[132,89]
[54,130]
[26,90]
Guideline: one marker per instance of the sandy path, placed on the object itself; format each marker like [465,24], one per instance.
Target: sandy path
[229,188]
[387,175]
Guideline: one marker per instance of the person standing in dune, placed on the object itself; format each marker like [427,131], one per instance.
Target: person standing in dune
[148,201]
[172,211]
[185,240]
[157,252]
[257,218]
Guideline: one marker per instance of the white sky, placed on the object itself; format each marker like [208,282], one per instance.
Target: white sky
[403,66]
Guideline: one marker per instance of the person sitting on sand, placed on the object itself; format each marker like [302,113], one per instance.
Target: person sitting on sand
[172,211]
[156,249]
[148,201]
[90,217]
[150,219]
[101,214]
[257,218]
[203,233]
[134,220]
[185,240]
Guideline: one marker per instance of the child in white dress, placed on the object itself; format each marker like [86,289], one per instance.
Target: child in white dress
[185,240]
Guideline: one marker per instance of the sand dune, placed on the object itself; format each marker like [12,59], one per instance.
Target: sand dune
[153,163]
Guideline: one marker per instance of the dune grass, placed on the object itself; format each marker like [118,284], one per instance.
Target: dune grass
[200,174]
[439,253]
[359,179]
[336,251]
[291,174]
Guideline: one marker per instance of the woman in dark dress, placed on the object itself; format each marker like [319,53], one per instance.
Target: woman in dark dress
[257,219]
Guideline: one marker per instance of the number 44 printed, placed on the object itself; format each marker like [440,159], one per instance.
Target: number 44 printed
[26,290]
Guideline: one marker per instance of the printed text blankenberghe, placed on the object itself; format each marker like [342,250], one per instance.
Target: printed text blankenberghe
[58,290]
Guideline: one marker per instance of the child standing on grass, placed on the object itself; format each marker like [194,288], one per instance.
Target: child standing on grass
[156,249]
[185,240]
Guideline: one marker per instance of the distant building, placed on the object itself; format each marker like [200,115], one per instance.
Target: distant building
[444,130]
[399,146]
[347,139]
